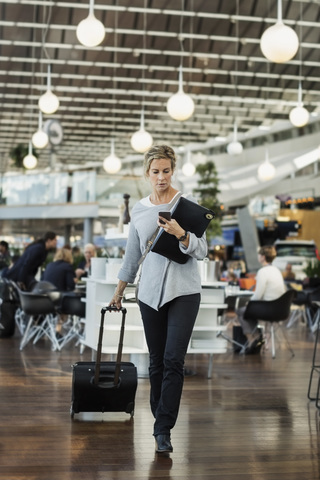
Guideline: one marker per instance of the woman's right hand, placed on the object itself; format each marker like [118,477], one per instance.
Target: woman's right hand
[116,301]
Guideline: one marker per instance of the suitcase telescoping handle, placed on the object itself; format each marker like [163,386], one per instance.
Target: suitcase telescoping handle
[99,350]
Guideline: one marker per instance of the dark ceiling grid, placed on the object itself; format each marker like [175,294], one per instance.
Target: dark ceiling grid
[215,97]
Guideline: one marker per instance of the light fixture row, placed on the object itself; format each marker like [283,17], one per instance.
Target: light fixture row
[279,44]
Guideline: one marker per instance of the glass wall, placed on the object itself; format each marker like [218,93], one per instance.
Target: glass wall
[43,189]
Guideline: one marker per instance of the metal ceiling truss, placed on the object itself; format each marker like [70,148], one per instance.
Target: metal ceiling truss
[101,90]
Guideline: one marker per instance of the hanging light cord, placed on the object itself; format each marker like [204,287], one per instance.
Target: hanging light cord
[33,73]
[300,44]
[144,53]
[115,60]
[181,33]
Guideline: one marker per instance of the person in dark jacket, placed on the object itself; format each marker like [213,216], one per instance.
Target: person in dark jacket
[24,270]
[60,272]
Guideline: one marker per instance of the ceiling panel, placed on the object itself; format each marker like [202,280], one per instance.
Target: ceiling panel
[102,90]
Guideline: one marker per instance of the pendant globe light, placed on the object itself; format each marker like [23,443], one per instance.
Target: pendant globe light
[90,31]
[48,102]
[266,171]
[141,140]
[180,106]
[30,161]
[188,168]
[235,147]
[40,139]
[112,164]
[279,43]
[299,116]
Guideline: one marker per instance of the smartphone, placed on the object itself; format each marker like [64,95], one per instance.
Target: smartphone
[166,215]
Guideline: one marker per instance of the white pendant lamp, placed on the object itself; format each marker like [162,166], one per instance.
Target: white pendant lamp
[180,106]
[141,140]
[235,147]
[30,161]
[299,116]
[90,31]
[279,43]
[112,164]
[266,171]
[40,139]
[48,102]
[188,168]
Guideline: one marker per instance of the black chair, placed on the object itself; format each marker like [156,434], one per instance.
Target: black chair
[298,307]
[41,318]
[315,368]
[47,288]
[272,311]
[311,309]
[73,306]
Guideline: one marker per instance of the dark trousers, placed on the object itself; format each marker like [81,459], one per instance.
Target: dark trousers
[168,333]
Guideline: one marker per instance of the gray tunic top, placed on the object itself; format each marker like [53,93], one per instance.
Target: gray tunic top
[162,280]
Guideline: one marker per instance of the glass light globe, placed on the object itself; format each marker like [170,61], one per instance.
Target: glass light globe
[266,171]
[299,116]
[48,102]
[40,139]
[141,141]
[180,106]
[234,148]
[279,43]
[188,169]
[90,31]
[112,164]
[29,161]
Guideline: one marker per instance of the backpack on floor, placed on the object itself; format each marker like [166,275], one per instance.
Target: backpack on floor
[9,301]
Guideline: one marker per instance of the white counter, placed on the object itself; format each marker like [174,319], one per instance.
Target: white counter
[204,337]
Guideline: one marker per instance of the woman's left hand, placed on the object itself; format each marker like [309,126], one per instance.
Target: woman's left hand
[173,228]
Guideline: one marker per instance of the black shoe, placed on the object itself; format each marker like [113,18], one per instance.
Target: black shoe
[163,444]
[255,346]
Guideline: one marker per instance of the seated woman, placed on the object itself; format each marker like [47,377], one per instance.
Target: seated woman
[269,286]
[60,272]
[84,267]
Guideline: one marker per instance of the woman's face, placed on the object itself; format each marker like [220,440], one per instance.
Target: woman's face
[160,174]
[88,253]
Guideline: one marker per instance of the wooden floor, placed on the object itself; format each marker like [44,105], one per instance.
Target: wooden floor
[252,420]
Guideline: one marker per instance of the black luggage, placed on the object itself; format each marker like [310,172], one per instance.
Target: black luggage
[104,386]
[9,303]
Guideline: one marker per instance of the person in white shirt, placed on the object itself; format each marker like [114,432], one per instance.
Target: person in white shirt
[269,286]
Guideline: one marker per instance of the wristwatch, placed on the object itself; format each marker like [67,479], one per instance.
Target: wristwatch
[183,237]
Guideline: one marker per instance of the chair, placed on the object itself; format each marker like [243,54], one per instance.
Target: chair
[47,288]
[311,309]
[75,308]
[42,318]
[315,360]
[298,307]
[272,311]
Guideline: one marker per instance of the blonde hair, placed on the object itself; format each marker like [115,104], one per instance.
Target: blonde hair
[158,152]
[63,254]
[90,246]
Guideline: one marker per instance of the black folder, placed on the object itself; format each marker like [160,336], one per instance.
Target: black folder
[191,217]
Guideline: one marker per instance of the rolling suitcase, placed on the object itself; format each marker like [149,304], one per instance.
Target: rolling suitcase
[104,386]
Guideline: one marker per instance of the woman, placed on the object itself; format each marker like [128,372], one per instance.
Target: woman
[60,272]
[269,286]
[84,267]
[169,293]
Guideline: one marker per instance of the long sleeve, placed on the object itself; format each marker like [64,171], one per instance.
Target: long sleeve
[161,279]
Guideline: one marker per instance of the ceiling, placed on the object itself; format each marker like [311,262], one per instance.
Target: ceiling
[102,90]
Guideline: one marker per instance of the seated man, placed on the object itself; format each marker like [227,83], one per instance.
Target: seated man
[269,286]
